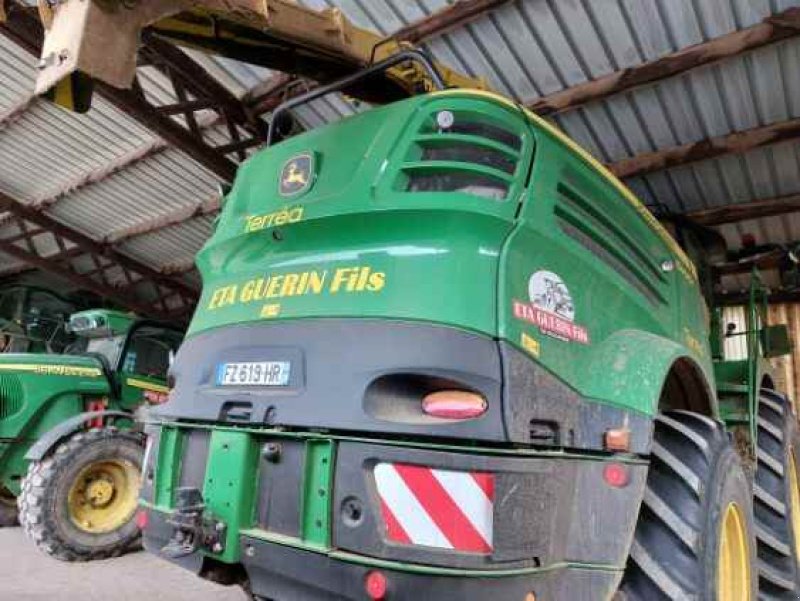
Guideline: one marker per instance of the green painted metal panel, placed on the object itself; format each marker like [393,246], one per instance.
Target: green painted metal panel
[230,485]
[170,453]
[318,493]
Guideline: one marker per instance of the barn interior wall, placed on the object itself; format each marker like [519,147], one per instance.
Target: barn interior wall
[787,368]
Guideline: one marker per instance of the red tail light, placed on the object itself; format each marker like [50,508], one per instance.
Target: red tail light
[616,475]
[454,404]
[376,585]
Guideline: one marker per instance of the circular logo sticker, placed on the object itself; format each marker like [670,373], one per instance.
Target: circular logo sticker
[548,292]
[297,175]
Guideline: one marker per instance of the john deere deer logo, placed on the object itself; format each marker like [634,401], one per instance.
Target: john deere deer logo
[297,175]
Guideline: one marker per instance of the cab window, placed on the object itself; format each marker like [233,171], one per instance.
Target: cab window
[150,351]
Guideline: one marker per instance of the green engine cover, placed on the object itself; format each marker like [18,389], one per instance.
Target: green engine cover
[460,208]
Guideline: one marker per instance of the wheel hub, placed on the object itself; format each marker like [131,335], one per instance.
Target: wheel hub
[103,496]
[99,492]
[733,569]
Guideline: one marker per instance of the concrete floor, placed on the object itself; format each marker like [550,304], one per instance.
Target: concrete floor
[26,574]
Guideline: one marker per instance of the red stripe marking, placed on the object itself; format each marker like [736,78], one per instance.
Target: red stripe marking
[442,509]
[486,482]
[394,530]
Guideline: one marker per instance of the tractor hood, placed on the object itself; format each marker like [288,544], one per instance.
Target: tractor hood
[51,365]
[381,215]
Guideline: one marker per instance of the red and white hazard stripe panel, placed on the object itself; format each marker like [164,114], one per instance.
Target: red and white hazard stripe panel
[436,508]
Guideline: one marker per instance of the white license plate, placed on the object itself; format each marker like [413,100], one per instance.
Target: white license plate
[255,373]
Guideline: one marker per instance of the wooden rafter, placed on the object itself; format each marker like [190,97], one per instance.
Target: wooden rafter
[772,29]
[743,297]
[446,19]
[768,260]
[741,211]
[734,143]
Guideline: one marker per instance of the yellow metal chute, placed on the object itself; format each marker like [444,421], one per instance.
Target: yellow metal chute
[99,39]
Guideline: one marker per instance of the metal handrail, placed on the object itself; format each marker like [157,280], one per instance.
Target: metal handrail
[406,55]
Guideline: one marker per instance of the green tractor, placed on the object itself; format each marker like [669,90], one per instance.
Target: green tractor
[442,353]
[70,456]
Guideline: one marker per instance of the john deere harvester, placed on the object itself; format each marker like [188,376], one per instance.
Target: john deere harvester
[441,353]
[69,457]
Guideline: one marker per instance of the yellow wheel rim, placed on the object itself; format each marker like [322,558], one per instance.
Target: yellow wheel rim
[103,496]
[733,569]
[794,499]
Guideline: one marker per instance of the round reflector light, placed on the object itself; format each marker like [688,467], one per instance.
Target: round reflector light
[454,404]
[445,119]
[615,475]
[376,585]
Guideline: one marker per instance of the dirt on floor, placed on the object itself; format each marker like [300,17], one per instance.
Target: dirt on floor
[26,574]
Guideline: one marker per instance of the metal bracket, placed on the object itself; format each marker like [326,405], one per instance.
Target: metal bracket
[193,527]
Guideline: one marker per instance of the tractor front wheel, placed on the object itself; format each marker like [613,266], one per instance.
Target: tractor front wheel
[79,503]
[695,537]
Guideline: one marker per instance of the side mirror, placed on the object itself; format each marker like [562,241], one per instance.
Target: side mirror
[730,329]
[775,341]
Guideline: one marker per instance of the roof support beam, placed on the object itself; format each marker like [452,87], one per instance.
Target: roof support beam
[266,96]
[448,18]
[141,289]
[768,207]
[770,259]
[772,29]
[735,143]
[742,298]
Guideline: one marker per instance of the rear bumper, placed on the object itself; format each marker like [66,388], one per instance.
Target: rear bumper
[556,527]
[317,482]
[286,573]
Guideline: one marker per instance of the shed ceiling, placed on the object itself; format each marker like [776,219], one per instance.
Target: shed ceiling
[108,176]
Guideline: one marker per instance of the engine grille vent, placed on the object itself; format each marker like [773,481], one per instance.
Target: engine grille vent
[11,396]
[472,156]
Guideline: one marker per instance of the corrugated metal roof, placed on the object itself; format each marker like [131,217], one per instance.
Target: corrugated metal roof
[525,49]
[172,248]
[46,149]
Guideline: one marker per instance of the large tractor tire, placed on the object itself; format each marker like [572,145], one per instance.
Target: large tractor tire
[695,537]
[79,503]
[8,509]
[776,499]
